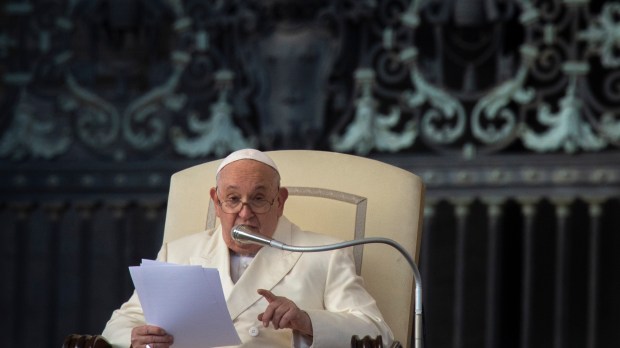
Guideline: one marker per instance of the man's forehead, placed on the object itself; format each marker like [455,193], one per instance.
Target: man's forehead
[247,175]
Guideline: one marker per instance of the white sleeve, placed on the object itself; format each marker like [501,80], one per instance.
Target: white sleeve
[349,308]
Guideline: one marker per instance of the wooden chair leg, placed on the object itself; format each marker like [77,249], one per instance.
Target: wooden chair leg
[85,341]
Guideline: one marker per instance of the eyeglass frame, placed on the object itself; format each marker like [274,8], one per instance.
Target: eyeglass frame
[219,201]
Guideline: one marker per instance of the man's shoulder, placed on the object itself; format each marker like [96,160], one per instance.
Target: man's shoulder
[192,240]
[302,237]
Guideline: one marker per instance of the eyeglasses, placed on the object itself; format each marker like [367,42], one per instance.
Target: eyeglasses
[234,205]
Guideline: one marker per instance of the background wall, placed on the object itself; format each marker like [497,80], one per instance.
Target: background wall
[509,111]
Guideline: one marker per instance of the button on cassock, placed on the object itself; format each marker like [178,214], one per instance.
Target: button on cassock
[253,331]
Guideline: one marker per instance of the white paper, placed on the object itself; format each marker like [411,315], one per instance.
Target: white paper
[187,301]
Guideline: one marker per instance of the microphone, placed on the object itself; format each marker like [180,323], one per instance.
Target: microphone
[246,234]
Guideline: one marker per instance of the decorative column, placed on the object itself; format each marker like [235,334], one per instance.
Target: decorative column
[528,210]
[595,212]
[54,211]
[461,212]
[562,210]
[85,230]
[23,212]
[494,216]
[119,210]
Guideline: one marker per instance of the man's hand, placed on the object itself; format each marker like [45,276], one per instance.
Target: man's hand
[284,314]
[154,336]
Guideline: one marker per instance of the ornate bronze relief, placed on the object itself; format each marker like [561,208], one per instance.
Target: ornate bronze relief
[185,79]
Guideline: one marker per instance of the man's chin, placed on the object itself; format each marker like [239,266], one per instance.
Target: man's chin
[247,249]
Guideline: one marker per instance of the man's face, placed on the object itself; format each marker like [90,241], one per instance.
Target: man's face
[248,180]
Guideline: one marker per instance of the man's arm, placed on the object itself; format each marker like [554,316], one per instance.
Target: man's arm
[349,308]
[118,329]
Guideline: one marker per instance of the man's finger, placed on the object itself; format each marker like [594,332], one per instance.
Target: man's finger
[268,295]
[152,330]
[265,317]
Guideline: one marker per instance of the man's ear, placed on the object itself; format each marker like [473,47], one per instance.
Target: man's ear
[215,199]
[282,196]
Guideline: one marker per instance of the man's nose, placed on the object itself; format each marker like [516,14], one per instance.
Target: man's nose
[245,211]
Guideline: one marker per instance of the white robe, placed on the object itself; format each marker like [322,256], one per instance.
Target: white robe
[324,284]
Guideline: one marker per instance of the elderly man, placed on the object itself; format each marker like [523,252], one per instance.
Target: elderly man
[275,298]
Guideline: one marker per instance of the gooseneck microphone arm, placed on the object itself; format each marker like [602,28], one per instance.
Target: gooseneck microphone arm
[245,234]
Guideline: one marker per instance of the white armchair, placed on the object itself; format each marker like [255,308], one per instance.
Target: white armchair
[338,194]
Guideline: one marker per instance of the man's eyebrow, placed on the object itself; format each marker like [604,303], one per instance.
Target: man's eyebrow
[235,187]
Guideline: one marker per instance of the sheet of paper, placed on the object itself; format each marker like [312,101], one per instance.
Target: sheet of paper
[187,301]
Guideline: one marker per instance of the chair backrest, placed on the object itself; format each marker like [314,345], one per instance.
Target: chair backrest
[338,194]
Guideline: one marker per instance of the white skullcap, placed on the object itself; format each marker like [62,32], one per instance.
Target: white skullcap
[247,154]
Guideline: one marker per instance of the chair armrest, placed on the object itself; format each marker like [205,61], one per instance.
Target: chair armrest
[85,341]
[98,341]
[369,342]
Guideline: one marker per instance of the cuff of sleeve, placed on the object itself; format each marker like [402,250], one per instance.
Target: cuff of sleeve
[327,329]
[302,341]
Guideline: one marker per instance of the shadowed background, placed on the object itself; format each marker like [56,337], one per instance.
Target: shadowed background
[509,110]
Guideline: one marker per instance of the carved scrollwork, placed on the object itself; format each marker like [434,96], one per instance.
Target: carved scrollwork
[444,122]
[145,121]
[216,135]
[610,126]
[603,35]
[566,129]
[134,78]
[97,122]
[370,129]
[35,131]
[494,107]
